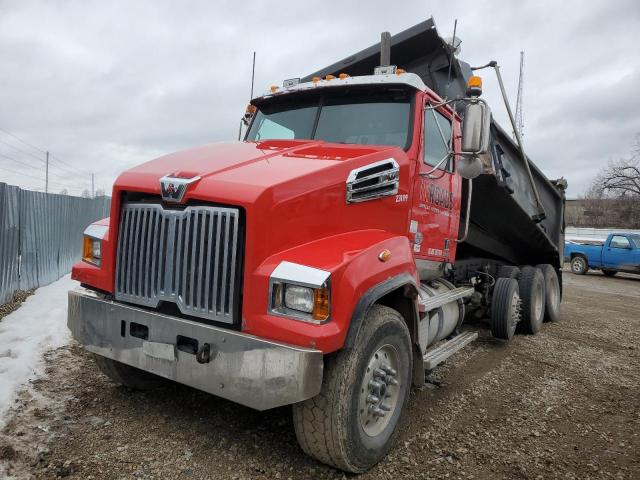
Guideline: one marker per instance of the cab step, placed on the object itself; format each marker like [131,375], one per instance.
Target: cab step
[439,354]
[427,303]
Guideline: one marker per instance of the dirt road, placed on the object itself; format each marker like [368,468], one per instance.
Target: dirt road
[562,404]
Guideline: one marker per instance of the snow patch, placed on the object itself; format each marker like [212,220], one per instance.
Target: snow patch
[40,324]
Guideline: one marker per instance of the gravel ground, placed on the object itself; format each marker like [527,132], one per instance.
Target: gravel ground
[561,404]
[11,306]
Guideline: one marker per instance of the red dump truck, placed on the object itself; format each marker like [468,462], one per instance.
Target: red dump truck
[332,259]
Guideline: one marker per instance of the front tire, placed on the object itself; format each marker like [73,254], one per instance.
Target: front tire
[351,424]
[126,375]
[579,265]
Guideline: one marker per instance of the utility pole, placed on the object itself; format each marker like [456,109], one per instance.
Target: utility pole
[46,181]
[93,195]
[519,112]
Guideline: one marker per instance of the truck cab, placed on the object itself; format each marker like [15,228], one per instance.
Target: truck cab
[620,252]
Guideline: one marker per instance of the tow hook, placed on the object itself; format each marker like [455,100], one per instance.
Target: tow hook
[204,353]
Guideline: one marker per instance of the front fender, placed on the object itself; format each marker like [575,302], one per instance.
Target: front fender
[352,259]
[97,277]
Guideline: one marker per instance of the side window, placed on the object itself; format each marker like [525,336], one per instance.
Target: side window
[618,241]
[437,140]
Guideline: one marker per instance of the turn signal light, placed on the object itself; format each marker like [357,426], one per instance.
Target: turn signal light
[384,255]
[320,304]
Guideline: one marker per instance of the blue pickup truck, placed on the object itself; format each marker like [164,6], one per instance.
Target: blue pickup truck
[620,252]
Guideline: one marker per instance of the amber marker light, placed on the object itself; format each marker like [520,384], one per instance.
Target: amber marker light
[342,76]
[320,304]
[274,88]
[474,86]
[329,77]
[400,71]
[384,255]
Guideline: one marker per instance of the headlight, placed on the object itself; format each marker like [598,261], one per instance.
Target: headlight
[299,298]
[300,292]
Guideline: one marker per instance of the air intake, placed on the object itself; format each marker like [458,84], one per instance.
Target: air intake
[377,180]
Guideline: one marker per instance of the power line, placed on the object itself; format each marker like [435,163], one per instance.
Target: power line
[60,176]
[23,141]
[58,160]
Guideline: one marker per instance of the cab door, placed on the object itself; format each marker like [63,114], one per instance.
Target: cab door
[618,253]
[435,212]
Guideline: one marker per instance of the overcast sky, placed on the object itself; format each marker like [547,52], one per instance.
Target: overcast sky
[105,85]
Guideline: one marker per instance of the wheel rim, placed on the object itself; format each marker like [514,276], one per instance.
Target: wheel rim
[514,318]
[553,293]
[577,265]
[537,300]
[380,390]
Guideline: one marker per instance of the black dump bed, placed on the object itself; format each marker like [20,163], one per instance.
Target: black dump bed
[503,208]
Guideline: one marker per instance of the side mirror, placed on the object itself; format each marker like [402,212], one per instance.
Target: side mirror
[475,138]
[475,128]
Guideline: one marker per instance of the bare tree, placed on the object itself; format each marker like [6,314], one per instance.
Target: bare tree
[622,178]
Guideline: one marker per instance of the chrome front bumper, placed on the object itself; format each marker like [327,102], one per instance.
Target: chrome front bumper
[258,373]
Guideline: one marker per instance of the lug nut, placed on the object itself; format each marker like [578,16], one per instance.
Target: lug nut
[373,399]
[390,381]
[375,387]
[378,372]
[385,408]
[389,370]
[376,412]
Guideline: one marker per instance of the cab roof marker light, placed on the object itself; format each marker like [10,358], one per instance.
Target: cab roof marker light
[342,76]
[291,82]
[385,70]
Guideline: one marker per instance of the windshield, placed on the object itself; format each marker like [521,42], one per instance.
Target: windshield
[380,118]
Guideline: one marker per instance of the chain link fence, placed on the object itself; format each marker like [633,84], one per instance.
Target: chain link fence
[41,236]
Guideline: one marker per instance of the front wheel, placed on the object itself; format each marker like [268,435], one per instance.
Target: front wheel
[126,375]
[579,265]
[350,425]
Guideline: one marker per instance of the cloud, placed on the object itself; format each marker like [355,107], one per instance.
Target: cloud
[107,85]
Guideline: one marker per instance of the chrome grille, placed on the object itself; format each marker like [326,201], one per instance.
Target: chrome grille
[188,257]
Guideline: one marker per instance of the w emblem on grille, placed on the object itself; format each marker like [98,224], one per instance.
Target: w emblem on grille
[173,189]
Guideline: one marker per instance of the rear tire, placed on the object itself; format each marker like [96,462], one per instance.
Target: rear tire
[126,375]
[579,265]
[609,273]
[508,271]
[532,294]
[553,297]
[505,308]
[338,426]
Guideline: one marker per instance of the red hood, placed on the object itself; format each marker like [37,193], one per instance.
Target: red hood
[238,172]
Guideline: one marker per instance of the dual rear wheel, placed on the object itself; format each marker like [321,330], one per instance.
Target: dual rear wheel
[523,298]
